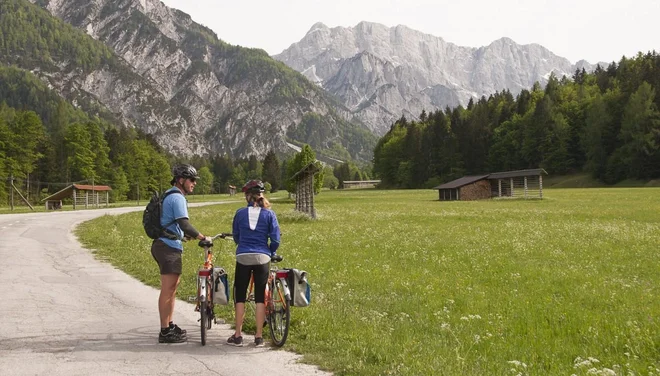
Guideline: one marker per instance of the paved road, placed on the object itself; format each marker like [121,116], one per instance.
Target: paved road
[52,323]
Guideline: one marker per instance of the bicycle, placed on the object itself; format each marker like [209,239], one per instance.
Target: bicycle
[206,281]
[277,300]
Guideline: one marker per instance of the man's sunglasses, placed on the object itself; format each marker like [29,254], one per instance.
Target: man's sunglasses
[192,179]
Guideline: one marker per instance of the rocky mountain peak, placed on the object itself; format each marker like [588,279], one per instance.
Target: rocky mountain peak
[410,71]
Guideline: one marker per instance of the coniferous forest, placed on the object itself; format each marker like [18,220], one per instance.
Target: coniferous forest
[606,123]
[47,144]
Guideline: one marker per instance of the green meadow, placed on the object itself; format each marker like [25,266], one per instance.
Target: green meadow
[406,285]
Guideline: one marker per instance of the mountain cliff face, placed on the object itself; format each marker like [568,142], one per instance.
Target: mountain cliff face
[381,73]
[175,79]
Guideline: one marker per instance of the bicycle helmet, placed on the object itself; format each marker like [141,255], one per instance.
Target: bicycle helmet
[254,186]
[184,171]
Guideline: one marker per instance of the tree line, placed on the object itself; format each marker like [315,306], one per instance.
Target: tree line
[606,123]
[46,144]
[41,160]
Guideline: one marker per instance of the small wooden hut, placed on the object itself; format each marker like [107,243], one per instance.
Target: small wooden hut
[520,183]
[82,195]
[465,188]
[348,184]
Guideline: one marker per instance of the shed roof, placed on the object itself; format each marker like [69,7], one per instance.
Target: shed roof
[465,180]
[518,173]
[66,192]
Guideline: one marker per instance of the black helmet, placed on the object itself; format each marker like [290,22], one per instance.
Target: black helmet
[254,186]
[184,171]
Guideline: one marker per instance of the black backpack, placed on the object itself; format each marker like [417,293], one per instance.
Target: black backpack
[151,216]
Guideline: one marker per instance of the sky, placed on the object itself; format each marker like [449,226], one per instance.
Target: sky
[595,31]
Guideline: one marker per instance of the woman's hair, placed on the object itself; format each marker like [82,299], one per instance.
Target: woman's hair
[257,199]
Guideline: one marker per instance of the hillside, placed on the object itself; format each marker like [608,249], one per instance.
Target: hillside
[158,71]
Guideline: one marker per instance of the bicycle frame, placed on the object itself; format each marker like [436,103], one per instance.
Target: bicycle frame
[203,294]
[205,286]
[273,274]
[203,275]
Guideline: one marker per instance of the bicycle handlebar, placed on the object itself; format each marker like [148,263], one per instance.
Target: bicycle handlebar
[208,242]
[222,235]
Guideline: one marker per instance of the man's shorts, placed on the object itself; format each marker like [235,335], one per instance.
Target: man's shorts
[168,258]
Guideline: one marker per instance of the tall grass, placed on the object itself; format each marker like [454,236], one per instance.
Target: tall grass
[406,285]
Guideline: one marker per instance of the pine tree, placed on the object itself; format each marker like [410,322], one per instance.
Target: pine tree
[640,133]
[597,122]
[271,168]
[205,181]
[26,136]
[80,153]
[119,184]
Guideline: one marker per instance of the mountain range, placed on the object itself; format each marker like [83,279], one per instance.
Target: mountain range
[381,73]
[197,95]
[171,77]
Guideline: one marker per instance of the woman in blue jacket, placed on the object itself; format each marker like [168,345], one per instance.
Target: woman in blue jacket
[253,227]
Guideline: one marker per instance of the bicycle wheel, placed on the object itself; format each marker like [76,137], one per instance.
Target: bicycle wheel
[279,314]
[203,306]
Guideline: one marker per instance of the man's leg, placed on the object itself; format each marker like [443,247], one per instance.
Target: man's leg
[167,298]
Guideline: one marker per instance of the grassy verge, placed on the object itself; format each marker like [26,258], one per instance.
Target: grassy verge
[406,285]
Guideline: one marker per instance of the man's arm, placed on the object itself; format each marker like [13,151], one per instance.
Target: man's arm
[188,229]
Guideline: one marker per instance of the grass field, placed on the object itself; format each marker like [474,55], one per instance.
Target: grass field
[406,285]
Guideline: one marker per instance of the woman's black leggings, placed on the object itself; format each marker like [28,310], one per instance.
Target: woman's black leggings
[242,281]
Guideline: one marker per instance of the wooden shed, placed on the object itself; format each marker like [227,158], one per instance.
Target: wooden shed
[465,188]
[520,183]
[347,184]
[82,195]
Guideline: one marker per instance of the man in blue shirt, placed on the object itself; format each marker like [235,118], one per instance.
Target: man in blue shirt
[167,249]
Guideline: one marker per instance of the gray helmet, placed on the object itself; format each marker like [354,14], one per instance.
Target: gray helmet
[254,186]
[184,171]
